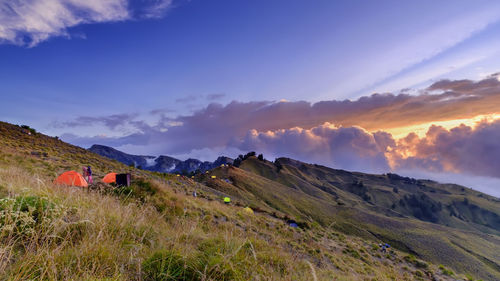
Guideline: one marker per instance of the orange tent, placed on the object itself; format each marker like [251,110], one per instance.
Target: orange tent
[109,178]
[71,178]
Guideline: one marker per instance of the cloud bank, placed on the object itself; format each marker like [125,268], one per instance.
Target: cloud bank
[29,22]
[341,134]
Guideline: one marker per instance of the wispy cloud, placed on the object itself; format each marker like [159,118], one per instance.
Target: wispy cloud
[29,22]
[111,121]
[192,99]
[215,96]
[154,8]
[417,57]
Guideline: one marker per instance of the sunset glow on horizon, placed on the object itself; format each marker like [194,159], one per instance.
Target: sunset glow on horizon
[421,129]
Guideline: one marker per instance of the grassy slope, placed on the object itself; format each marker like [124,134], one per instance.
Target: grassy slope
[468,241]
[82,235]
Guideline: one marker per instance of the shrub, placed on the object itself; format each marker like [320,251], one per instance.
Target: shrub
[139,189]
[469,277]
[26,127]
[3,192]
[445,271]
[418,263]
[22,214]
[166,266]
[351,251]
[214,259]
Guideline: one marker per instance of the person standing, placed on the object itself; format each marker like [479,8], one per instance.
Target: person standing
[89,175]
[84,172]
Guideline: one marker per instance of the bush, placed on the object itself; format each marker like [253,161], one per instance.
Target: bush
[212,259]
[21,215]
[139,189]
[26,127]
[445,271]
[166,266]
[352,252]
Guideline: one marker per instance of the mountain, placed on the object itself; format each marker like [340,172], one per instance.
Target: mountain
[127,159]
[442,223]
[164,164]
[437,231]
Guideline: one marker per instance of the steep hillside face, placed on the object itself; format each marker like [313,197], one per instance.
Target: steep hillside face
[429,201]
[445,223]
[163,164]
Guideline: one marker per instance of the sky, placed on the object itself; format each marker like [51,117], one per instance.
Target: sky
[374,86]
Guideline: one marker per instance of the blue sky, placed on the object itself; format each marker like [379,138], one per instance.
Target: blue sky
[246,50]
[203,78]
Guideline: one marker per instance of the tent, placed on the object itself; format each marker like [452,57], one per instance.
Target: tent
[71,178]
[123,179]
[213,177]
[227,200]
[109,178]
[292,223]
[248,210]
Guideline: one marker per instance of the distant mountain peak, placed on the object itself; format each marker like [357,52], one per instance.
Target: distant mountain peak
[162,163]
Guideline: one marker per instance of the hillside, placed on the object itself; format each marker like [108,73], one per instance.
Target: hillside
[442,223]
[155,230]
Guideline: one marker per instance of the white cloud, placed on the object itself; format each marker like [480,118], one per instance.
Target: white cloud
[29,22]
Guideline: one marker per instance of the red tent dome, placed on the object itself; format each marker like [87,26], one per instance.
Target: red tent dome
[109,178]
[71,178]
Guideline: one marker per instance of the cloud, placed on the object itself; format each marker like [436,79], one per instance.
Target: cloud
[216,96]
[150,9]
[190,99]
[430,52]
[187,99]
[161,111]
[349,148]
[343,134]
[217,125]
[462,150]
[29,22]
[111,121]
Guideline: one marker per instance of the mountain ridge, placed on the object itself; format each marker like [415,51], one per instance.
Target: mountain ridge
[162,163]
[422,217]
